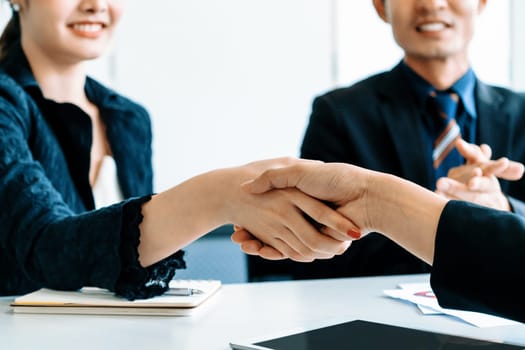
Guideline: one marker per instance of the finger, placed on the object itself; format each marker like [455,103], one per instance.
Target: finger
[248,243]
[452,188]
[282,240]
[274,178]
[288,244]
[464,172]
[471,152]
[459,191]
[251,247]
[494,166]
[258,249]
[514,171]
[475,183]
[353,235]
[255,247]
[486,150]
[344,247]
[317,242]
[343,228]
[479,184]
[239,236]
[270,253]
[505,169]
[484,184]
[300,241]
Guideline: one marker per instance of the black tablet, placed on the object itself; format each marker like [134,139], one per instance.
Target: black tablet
[364,335]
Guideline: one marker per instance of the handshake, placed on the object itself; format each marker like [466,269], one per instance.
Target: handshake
[347,202]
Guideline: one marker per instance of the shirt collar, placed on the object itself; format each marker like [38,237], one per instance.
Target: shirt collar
[464,87]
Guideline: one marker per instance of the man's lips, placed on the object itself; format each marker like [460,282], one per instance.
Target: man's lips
[432,26]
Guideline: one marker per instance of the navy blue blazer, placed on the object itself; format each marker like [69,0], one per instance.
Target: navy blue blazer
[377,124]
[50,236]
[478,260]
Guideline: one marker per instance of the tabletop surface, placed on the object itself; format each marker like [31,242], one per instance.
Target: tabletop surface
[240,311]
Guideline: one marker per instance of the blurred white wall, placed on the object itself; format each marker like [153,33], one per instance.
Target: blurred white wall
[226,81]
[517,45]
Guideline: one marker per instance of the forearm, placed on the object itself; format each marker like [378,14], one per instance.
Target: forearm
[180,215]
[406,213]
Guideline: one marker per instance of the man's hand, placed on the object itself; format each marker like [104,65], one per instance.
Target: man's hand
[332,183]
[477,180]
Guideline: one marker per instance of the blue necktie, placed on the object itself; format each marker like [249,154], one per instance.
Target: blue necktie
[444,106]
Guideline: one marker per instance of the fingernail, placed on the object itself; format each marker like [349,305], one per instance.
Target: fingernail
[355,234]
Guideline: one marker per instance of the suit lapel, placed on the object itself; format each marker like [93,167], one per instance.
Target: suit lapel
[493,125]
[403,120]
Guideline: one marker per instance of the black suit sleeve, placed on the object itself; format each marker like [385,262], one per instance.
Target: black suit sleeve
[518,206]
[478,260]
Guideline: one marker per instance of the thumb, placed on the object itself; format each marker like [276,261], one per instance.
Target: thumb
[274,178]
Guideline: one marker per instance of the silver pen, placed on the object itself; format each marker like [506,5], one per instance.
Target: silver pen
[183,291]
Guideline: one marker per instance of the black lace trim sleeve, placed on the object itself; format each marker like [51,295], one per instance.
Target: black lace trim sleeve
[135,281]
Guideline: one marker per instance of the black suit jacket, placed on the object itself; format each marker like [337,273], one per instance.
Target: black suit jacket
[377,124]
[478,260]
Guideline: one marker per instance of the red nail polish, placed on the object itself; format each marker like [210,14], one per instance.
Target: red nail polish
[354,234]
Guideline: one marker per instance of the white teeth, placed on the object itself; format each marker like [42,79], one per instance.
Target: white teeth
[88,27]
[432,27]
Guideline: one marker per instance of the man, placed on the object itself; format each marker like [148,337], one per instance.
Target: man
[390,123]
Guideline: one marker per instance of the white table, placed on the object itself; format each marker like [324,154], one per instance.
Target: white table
[238,311]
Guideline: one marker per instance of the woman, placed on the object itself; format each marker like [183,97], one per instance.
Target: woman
[63,137]
[476,253]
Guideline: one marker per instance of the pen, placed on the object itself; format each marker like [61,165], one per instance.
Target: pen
[183,291]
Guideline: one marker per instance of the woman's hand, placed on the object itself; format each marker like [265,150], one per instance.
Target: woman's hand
[284,223]
[326,181]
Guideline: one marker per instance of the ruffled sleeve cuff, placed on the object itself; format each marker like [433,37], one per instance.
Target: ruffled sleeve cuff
[135,281]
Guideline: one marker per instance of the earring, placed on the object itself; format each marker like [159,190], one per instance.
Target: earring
[15,6]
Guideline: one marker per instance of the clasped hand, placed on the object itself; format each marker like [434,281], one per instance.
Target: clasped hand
[477,180]
[339,184]
[282,218]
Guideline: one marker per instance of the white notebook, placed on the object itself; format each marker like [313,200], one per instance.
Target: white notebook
[96,301]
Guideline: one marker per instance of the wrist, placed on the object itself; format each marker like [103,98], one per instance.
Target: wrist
[406,213]
[381,201]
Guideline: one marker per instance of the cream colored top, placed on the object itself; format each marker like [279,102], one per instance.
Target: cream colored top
[106,190]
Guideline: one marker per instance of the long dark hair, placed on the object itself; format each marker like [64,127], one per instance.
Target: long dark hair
[10,36]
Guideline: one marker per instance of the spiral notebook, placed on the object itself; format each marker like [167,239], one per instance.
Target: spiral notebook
[182,299]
